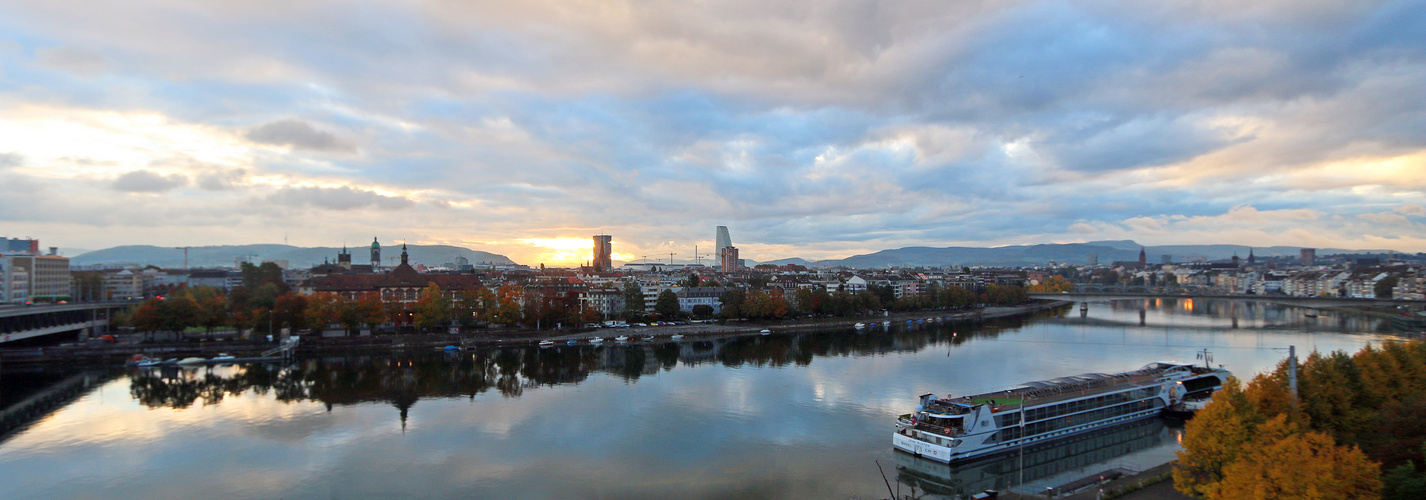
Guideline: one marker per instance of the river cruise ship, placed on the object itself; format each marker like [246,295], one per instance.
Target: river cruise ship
[964,427]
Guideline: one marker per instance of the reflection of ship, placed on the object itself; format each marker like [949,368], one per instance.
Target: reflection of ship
[1034,463]
[959,428]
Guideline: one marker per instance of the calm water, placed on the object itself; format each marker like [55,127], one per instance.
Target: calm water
[781,416]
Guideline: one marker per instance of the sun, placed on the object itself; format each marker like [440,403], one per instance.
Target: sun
[562,250]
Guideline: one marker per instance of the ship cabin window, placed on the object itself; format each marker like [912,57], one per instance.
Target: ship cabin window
[1201,383]
[955,424]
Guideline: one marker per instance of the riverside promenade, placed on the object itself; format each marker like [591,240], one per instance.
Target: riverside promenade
[105,353]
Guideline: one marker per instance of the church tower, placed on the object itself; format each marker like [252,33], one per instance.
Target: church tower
[375,256]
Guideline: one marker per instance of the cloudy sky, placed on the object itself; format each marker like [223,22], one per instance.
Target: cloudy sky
[813,129]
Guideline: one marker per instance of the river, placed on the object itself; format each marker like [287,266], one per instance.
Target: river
[794,415]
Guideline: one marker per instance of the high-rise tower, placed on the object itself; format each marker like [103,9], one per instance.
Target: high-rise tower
[722,240]
[603,253]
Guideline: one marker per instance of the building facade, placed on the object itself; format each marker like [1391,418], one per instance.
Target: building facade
[603,253]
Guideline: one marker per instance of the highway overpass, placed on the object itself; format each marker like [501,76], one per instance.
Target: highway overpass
[21,322]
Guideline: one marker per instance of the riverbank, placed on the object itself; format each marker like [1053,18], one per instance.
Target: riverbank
[107,353]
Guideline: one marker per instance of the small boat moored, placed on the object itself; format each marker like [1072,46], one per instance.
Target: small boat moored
[546,343]
[192,361]
[677,336]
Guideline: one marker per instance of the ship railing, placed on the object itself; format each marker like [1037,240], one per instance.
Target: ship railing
[938,429]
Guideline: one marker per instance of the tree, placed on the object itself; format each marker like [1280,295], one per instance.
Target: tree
[433,308]
[702,311]
[507,309]
[732,301]
[1284,462]
[633,300]
[667,304]
[266,273]
[692,281]
[1212,441]
[324,309]
[1384,286]
[368,310]
[289,310]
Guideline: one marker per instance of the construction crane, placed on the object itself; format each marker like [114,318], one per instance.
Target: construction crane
[185,255]
[670,258]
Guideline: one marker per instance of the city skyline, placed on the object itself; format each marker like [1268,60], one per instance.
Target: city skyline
[813,131]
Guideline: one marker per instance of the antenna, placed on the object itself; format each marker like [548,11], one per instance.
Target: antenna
[185,255]
[1207,358]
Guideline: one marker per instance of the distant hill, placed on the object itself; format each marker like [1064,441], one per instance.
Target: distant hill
[1067,253]
[226,255]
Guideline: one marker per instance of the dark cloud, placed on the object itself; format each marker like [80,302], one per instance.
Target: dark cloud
[299,135]
[144,181]
[338,198]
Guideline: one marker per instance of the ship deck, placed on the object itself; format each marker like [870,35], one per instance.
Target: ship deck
[1050,391]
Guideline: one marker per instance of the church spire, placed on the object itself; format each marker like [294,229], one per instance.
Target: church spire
[403,254]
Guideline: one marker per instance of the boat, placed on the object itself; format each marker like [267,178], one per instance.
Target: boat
[142,361]
[621,338]
[572,342]
[677,336]
[650,337]
[596,340]
[766,332]
[546,343]
[960,428]
[223,357]
[859,326]
[192,361]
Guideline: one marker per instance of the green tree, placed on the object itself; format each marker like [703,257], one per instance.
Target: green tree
[702,311]
[1384,286]
[692,281]
[667,304]
[633,300]
[265,273]
[732,302]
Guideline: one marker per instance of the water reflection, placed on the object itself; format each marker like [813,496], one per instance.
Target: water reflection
[789,415]
[403,379]
[1057,464]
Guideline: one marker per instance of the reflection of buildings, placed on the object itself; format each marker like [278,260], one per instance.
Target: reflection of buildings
[1032,464]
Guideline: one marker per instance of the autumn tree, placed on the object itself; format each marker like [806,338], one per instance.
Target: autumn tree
[324,309]
[433,308]
[368,311]
[1282,461]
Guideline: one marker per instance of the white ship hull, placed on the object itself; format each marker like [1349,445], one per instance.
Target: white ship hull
[975,426]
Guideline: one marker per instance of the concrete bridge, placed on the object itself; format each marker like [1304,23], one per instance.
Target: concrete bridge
[20,322]
[1131,293]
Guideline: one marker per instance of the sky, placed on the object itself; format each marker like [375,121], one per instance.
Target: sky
[811,129]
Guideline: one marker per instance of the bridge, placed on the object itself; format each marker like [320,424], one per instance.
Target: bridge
[21,322]
[1148,293]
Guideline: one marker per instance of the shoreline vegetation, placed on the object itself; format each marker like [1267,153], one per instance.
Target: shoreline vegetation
[93,353]
[1355,427]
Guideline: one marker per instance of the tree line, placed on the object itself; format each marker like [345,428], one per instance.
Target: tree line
[1355,416]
